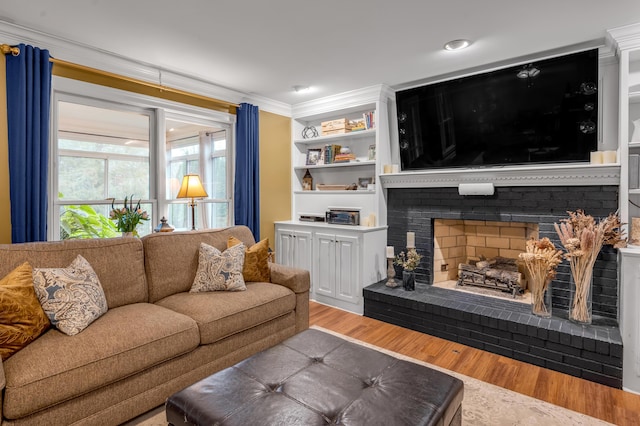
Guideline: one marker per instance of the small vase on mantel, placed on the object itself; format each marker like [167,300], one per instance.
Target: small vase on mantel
[409,280]
[127,235]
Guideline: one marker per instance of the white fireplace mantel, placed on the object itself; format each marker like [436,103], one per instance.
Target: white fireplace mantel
[540,175]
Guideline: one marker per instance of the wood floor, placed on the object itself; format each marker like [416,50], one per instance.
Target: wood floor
[612,405]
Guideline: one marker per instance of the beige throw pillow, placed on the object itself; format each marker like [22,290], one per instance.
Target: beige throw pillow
[219,271]
[22,319]
[71,297]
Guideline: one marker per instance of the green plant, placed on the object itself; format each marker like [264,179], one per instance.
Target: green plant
[128,217]
[78,222]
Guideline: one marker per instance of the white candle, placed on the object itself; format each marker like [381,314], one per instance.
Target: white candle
[411,239]
[390,252]
[609,157]
[372,219]
[596,157]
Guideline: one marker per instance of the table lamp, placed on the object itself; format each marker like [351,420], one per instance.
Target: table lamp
[192,188]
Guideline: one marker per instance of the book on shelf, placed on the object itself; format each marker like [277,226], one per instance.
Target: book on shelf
[344,158]
[330,152]
[369,120]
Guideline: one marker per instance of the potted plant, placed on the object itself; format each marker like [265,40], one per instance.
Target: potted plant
[128,217]
[409,262]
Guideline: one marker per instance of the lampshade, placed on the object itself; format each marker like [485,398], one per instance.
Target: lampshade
[191,187]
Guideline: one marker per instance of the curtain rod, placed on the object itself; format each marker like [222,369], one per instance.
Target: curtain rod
[6,49]
[15,51]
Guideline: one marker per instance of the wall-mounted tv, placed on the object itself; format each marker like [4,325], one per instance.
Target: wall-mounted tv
[540,112]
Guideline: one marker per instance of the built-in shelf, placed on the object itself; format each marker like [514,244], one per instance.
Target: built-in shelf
[634,192]
[333,165]
[336,138]
[634,145]
[541,175]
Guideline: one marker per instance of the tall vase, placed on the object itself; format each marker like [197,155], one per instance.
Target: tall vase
[541,298]
[580,298]
[409,280]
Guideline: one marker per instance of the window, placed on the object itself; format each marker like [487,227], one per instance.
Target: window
[108,146]
[194,148]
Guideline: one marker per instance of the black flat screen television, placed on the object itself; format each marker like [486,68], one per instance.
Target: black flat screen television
[540,112]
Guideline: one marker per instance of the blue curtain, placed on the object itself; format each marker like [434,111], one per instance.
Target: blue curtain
[247,179]
[28,101]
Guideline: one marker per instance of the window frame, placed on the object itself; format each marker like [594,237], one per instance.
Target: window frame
[65,89]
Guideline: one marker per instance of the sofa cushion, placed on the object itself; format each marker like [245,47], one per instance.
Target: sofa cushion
[71,297]
[122,342]
[22,319]
[219,271]
[171,258]
[256,260]
[119,262]
[221,314]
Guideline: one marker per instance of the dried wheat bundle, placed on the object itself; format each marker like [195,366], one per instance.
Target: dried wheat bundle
[583,239]
[541,259]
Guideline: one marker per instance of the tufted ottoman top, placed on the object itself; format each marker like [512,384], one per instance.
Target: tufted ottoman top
[315,378]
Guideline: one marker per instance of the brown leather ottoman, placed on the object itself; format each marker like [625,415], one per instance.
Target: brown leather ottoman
[315,378]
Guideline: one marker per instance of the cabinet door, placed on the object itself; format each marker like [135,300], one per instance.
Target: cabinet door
[285,247]
[302,250]
[347,266]
[324,270]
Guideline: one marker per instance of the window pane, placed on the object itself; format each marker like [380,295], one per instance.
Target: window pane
[127,178]
[217,214]
[103,152]
[218,186]
[81,178]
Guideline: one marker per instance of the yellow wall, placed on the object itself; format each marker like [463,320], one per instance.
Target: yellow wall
[275,172]
[5,212]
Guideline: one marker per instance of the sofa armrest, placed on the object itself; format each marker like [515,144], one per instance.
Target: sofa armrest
[298,280]
[3,383]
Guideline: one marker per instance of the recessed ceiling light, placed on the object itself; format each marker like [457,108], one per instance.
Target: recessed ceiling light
[457,44]
[300,89]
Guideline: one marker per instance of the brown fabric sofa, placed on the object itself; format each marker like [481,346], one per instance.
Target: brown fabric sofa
[155,339]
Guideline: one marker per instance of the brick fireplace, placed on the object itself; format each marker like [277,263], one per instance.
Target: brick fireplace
[502,326]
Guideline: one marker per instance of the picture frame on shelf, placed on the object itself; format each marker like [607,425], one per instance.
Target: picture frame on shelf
[364,182]
[371,154]
[313,155]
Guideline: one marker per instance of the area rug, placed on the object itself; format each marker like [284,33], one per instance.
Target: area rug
[484,404]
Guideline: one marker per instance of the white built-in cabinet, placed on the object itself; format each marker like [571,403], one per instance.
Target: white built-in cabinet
[293,247]
[626,40]
[342,259]
[630,318]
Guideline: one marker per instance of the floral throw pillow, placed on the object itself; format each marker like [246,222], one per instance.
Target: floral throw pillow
[256,260]
[219,271]
[71,297]
[22,319]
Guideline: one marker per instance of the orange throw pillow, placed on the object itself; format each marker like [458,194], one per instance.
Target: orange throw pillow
[256,265]
[22,319]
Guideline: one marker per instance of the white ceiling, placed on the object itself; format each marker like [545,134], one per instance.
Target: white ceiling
[264,47]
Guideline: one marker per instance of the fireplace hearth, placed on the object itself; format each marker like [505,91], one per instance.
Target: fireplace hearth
[500,325]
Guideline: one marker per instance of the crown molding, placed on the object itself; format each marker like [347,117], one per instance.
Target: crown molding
[90,56]
[353,99]
[546,175]
[625,38]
